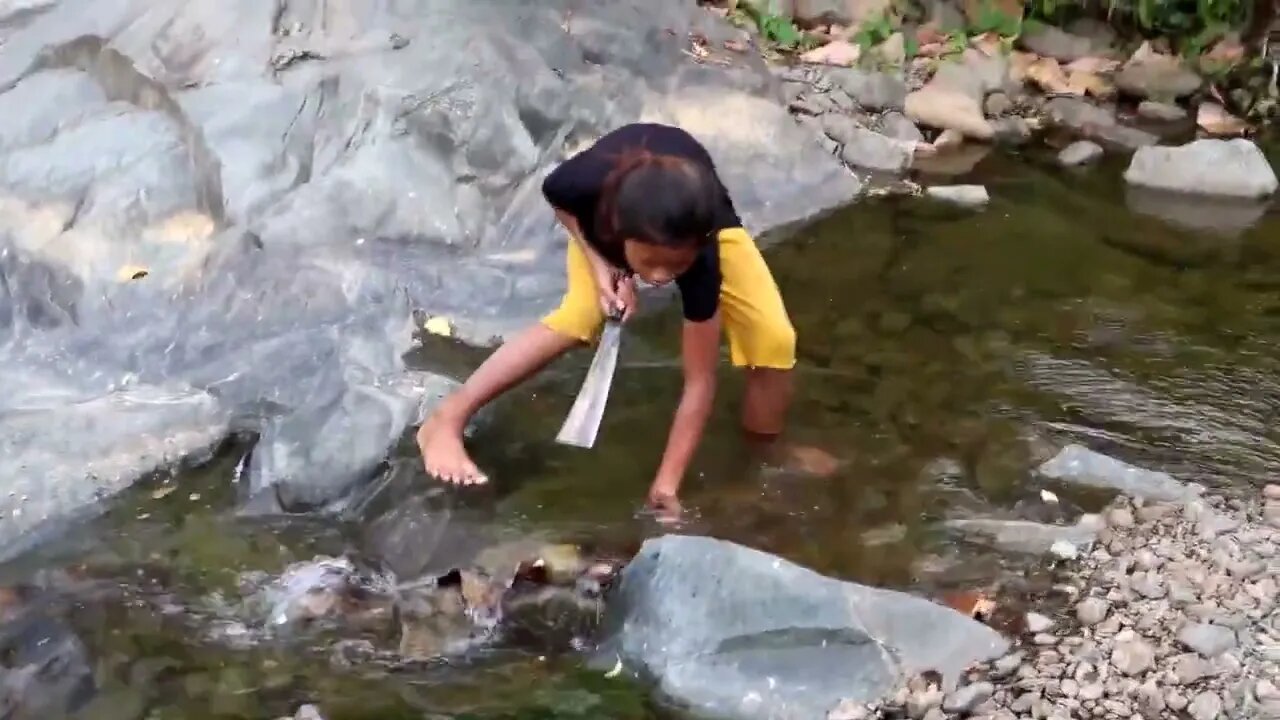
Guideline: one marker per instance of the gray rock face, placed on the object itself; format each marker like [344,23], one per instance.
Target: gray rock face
[221,216]
[1094,123]
[1082,466]
[872,90]
[1229,168]
[873,151]
[732,632]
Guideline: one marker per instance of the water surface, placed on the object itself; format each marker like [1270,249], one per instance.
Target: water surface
[943,354]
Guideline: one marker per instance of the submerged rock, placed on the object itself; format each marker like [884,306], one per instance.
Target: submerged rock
[1082,466]
[732,632]
[969,196]
[1080,152]
[1024,536]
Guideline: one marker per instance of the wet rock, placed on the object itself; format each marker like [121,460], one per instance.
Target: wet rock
[952,99]
[897,126]
[1132,656]
[997,104]
[872,90]
[873,151]
[705,619]
[1080,152]
[1024,536]
[969,196]
[1119,518]
[1094,123]
[965,699]
[1208,640]
[1080,465]
[1160,112]
[1231,168]
[1011,130]
[308,712]
[1271,492]
[1206,706]
[47,671]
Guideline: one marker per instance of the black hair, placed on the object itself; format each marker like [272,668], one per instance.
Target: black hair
[659,199]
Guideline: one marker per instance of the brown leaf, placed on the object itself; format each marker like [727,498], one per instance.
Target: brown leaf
[988,43]
[1087,83]
[970,602]
[838,52]
[1019,64]
[929,33]
[932,50]
[1047,74]
[1215,120]
[736,45]
[1227,51]
[1093,65]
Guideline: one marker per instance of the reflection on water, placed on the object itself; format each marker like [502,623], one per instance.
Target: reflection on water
[942,355]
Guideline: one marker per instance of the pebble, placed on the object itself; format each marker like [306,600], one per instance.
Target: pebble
[965,699]
[1271,491]
[1070,688]
[1174,700]
[1007,665]
[968,196]
[1092,691]
[1038,623]
[1206,706]
[935,714]
[923,701]
[1266,690]
[1092,611]
[1044,639]
[1132,656]
[1081,152]
[1189,668]
[1208,640]
[1120,517]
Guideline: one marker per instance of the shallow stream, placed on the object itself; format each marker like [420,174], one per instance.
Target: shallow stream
[943,354]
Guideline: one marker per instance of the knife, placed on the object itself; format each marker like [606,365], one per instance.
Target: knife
[583,421]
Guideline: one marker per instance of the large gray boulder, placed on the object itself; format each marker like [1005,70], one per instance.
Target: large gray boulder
[731,632]
[241,205]
[1227,168]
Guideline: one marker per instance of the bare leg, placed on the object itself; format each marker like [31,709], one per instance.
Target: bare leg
[764,413]
[440,437]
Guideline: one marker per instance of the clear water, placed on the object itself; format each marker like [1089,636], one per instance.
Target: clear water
[943,354]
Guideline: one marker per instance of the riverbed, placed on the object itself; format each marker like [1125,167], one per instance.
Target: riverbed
[944,353]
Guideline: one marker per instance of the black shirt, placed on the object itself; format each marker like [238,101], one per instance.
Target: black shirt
[574,187]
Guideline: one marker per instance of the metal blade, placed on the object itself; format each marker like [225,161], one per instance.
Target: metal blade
[583,421]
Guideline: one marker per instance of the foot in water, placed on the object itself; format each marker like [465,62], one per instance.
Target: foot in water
[444,455]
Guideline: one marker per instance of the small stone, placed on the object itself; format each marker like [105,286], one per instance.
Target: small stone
[1119,517]
[965,699]
[1038,623]
[1132,656]
[1070,688]
[969,196]
[1023,703]
[1189,668]
[1206,706]
[1081,152]
[1092,610]
[1092,691]
[1160,112]
[308,712]
[1206,639]
[997,104]
[1007,665]
[1044,640]
[1271,491]
[1265,690]
[1174,700]
[921,702]
[935,714]
[1064,549]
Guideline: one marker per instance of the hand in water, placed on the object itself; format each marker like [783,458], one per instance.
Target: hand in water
[665,505]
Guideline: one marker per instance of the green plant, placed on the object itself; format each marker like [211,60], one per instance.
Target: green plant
[778,30]
[993,19]
[873,31]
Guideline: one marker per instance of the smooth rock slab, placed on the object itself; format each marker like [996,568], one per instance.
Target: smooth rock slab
[1082,466]
[731,632]
[1228,168]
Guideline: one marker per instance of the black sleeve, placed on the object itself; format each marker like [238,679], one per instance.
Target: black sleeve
[573,187]
[700,286]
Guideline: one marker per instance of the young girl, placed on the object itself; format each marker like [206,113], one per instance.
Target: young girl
[645,200]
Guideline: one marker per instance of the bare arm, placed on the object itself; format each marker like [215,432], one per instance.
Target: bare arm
[701,353]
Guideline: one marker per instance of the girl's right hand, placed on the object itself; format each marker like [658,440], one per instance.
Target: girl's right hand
[617,292]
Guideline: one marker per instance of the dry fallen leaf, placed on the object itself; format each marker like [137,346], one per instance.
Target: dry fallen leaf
[131,272]
[1087,83]
[1019,64]
[1092,65]
[929,34]
[163,491]
[1228,51]
[838,52]
[439,325]
[1215,120]
[988,43]
[1047,74]
[970,602]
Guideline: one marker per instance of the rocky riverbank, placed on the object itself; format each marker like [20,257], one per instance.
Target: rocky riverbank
[960,90]
[1171,612]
